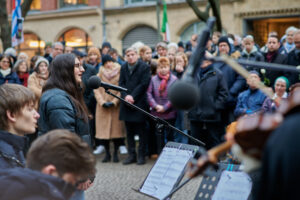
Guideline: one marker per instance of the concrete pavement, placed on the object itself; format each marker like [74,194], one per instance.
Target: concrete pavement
[115,181]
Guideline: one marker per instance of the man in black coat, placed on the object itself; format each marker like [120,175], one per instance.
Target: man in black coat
[135,76]
[235,82]
[294,59]
[273,56]
[205,116]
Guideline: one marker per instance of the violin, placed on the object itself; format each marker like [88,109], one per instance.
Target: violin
[252,133]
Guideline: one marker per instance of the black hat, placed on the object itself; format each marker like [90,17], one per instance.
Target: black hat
[78,53]
[107,58]
[106,44]
[180,44]
[224,39]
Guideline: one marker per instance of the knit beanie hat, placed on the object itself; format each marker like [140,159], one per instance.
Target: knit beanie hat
[106,44]
[39,60]
[107,58]
[224,39]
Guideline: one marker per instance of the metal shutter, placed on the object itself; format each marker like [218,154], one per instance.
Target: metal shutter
[145,34]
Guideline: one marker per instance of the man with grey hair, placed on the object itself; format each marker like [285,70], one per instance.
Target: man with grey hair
[135,76]
[289,45]
[57,48]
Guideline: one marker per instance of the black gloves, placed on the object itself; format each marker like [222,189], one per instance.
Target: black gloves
[108,104]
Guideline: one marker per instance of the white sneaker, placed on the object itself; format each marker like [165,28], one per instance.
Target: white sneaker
[99,149]
[123,149]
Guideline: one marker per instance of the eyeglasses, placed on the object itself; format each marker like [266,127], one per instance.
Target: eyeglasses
[4,61]
[78,65]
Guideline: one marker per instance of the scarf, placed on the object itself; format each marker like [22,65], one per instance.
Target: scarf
[5,72]
[24,78]
[110,73]
[163,84]
[270,56]
[289,47]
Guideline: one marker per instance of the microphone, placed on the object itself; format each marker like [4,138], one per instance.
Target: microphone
[184,93]
[95,82]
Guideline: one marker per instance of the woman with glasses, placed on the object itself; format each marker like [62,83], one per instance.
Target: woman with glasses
[7,75]
[61,104]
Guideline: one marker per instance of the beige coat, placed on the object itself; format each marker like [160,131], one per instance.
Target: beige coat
[108,125]
[35,84]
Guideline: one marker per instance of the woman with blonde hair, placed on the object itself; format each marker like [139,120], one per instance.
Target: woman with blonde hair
[94,57]
[108,125]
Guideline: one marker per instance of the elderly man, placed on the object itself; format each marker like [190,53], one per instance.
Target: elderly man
[57,48]
[135,76]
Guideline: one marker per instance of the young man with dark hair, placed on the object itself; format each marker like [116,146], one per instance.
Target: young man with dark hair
[17,118]
[58,161]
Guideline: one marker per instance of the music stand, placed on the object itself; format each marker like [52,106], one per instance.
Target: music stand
[168,170]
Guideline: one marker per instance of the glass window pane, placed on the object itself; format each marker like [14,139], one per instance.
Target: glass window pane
[76,38]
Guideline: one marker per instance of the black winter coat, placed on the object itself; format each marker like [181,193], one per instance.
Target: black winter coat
[281,161]
[278,59]
[213,94]
[137,85]
[235,83]
[293,60]
[57,111]
[11,150]
[26,184]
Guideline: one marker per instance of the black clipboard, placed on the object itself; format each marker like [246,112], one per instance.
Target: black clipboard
[168,170]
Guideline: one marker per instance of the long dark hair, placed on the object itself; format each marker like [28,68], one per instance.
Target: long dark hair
[62,77]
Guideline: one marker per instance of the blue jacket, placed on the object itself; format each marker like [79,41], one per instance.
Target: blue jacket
[235,82]
[249,101]
[57,111]
[11,150]
[10,78]
[26,184]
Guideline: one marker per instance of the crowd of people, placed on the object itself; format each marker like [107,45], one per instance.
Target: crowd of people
[56,85]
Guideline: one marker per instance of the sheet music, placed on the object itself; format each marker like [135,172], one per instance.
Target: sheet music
[233,186]
[165,173]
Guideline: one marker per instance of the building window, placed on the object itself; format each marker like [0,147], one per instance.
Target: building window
[131,2]
[76,38]
[68,3]
[194,28]
[35,4]
[32,45]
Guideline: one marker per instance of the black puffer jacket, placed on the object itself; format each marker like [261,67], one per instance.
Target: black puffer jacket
[57,111]
[213,93]
[11,150]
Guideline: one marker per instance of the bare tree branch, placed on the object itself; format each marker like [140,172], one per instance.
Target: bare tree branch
[200,14]
[215,5]
[4,26]
[25,7]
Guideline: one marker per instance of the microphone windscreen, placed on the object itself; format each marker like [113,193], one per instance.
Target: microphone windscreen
[183,95]
[94,82]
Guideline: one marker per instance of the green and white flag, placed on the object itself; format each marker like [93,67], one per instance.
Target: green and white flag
[165,26]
